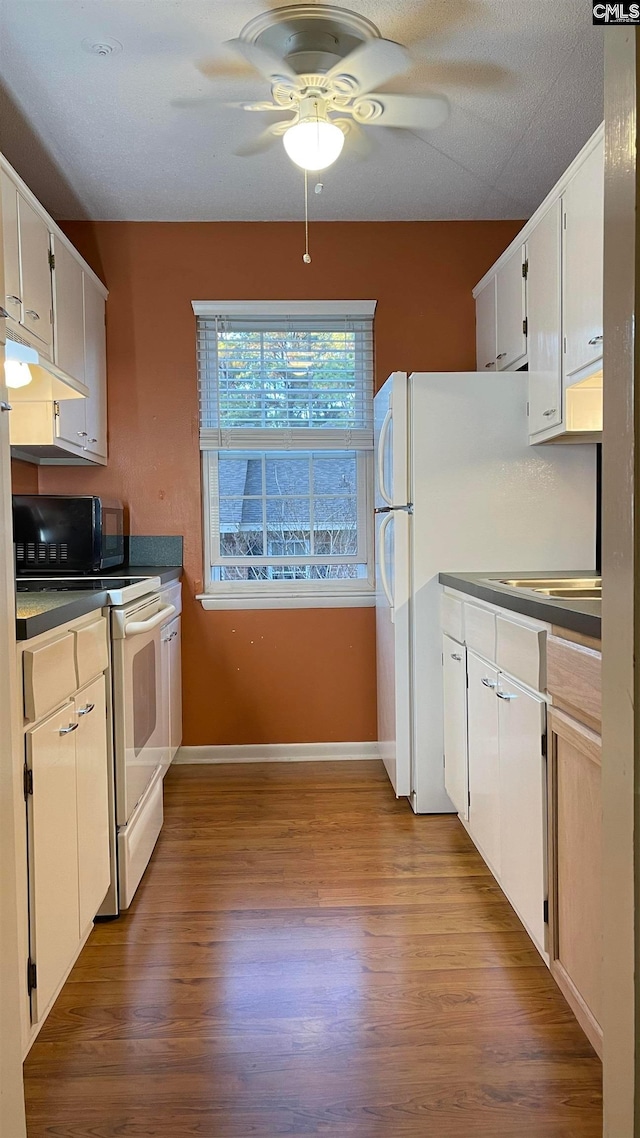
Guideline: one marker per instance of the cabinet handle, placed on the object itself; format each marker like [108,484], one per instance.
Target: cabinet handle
[456,656]
[87,709]
[33,314]
[595,340]
[492,363]
[3,313]
[15,299]
[551,411]
[4,406]
[93,440]
[506,695]
[82,434]
[489,683]
[501,355]
[67,730]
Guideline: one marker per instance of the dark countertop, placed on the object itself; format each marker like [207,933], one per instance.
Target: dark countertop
[580,615]
[40,612]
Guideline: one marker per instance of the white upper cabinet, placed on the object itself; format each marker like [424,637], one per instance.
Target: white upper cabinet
[486,327]
[544,307]
[35,273]
[95,348]
[13,288]
[583,221]
[511,312]
[456,777]
[68,311]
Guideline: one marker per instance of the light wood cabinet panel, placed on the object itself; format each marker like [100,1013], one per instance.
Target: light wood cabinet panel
[511,341]
[523,793]
[35,274]
[456,777]
[484,763]
[92,799]
[544,248]
[12,285]
[53,853]
[574,680]
[583,221]
[96,369]
[576,869]
[486,327]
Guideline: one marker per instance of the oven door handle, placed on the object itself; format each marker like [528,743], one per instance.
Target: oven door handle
[137,627]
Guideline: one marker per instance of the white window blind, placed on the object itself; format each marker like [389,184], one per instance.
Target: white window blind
[285,382]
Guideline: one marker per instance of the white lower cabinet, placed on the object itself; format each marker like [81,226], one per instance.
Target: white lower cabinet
[92,799]
[53,853]
[484,760]
[523,830]
[456,778]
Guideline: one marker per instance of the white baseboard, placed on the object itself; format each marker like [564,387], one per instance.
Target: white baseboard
[278,753]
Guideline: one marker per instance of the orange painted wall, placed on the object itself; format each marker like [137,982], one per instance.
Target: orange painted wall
[24,477]
[268,676]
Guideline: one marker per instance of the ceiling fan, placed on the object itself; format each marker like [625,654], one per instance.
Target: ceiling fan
[324,66]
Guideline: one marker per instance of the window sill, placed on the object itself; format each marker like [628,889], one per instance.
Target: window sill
[216,601]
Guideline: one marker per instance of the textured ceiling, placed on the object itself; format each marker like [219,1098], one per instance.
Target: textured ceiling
[99,137]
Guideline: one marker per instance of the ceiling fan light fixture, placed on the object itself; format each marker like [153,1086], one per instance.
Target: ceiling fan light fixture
[314,142]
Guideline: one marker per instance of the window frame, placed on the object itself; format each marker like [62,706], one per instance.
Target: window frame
[291,592]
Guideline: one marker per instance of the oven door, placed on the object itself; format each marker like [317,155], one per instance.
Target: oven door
[140,743]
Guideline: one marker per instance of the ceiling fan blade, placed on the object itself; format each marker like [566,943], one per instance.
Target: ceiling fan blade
[264,106]
[263,61]
[224,68]
[358,143]
[411,112]
[370,66]
[445,74]
[265,140]
[435,20]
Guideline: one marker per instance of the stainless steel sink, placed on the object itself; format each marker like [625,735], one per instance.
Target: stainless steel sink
[566,588]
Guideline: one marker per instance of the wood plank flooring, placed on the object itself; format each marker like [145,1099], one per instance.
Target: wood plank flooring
[305,956]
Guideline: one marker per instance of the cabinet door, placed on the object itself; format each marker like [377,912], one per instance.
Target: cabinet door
[95,354]
[92,800]
[523,858]
[576,869]
[68,312]
[544,248]
[175,693]
[13,288]
[484,767]
[486,327]
[456,776]
[36,274]
[583,221]
[511,341]
[53,853]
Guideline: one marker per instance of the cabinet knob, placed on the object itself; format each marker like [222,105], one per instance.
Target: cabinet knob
[33,314]
[87,709]
[456,656]
[506,695]
[595,340]
[489,683]
[551,411]
[67,730]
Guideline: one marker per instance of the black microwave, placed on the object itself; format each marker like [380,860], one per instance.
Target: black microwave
[64,534]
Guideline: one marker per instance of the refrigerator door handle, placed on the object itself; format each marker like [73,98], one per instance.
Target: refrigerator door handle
[382,441]
[383,561]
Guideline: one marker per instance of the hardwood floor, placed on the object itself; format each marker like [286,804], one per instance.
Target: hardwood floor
[305,956]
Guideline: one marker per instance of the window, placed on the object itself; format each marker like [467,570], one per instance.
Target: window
[286,406]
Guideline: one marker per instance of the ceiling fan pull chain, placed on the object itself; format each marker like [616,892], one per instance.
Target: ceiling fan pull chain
[306,256]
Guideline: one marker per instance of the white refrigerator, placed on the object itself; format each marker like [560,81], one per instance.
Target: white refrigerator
[458,488]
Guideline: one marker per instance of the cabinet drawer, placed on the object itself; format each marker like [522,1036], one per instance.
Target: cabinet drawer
[520,651]
[92,653]
[451,615]
[480,630]
[574,679]
[49,676]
